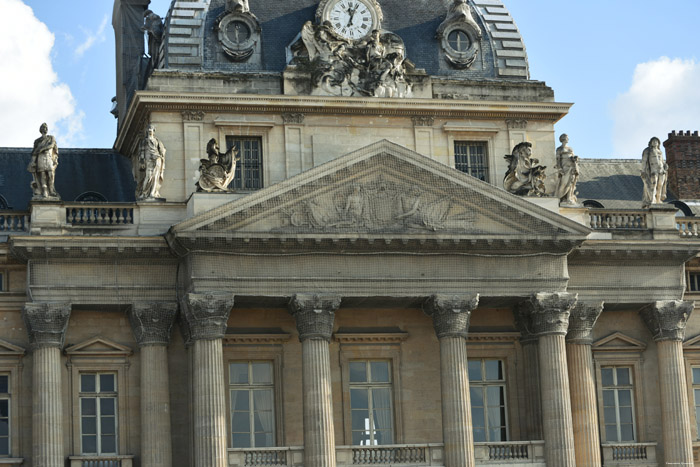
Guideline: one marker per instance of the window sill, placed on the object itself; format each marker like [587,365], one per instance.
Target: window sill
[11,460]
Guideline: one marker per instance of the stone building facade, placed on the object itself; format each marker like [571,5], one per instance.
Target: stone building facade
[366,291]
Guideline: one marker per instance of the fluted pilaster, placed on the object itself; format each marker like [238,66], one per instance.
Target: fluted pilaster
[667,320]
[582,383]
[451,315]
[152,325]
[46,325]
[314,315]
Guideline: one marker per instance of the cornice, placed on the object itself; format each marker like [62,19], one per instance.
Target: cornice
[492,337]
[637,251]
[83,247]
[370,337]
[256,339]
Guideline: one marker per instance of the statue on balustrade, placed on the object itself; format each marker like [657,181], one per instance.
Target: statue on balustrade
[568,171]
[43,166]
[150,159]
[524,177]
[654,173]
[217,171]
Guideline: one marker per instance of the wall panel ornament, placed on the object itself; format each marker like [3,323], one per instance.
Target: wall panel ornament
[460,36]
[238,31]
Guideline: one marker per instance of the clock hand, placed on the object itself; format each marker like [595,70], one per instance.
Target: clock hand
[352,15]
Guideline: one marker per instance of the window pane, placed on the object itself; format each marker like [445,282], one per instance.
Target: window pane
[87,383]
[625,397]
[262,373]
[479,435]
[240,400]
[696,375]
[627,433]
[381,398]
[477,397]
[263,440]
[610,415]
[240,422]
[4,446]
[88,406]
[360,438]
[611,433]
[238,373]
[4,408]
[107,406]
[89,425]
[358,399]
[4,427]
[475,370]
[384,437]
[107,383]
[90,444]
[108,425]
[241,440]
[607,376]
[495,420]
[358,372]
[496,434]
[360,419]
[623,376]
[495,396]
[379,372]
[478,417]
[109,444]
[626,415]
[609,398]
[4,384]
[494,370]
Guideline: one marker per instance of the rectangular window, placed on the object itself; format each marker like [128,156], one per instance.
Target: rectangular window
[694,282]
[251,388]
[618,404]
[487,390]
[696,396]
[4,415]
[471,158]
[98,413]
[371,405]
[249,167]
[3,275]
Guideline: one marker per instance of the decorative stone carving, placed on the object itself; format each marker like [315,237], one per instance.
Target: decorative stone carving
[667,319]
[423,120]
[581,321]
[341,67]
[379,206]
[547,313]
[43,166]
[205,314]
[152,322]
[460,35]
[46,323]
[293,118]
[451,313]
[192,115]
[654,173]
[314,314]
[217,171]
[150,165]
[516,124]
[524,176]
[153,25]
[238,31]
[521,316]
[350,19]
[567,171]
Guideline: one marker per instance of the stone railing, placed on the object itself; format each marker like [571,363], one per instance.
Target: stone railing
[287,456]
[101,461]
[395,454]
[638,454]
[511,452]
[99,215]
[621,219]
[14,222]
[688,226]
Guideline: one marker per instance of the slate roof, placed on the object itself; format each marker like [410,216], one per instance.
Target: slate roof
[79,171]
[614,183]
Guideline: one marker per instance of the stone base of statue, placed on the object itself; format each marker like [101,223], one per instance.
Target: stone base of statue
[151,200]
[47,199]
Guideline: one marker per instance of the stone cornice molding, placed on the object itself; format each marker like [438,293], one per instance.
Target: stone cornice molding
[256,339]
[392,338]
[545,314]
[46,323]
[493,337]
[314,315]
[451,313]
[204,315]
[667,319]
[581,322]
[152,322]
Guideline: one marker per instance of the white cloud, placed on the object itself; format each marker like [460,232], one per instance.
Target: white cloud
[30,91]
[664,96]
[92,38]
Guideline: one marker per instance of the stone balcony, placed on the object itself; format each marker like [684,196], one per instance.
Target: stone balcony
[101,461]
[629,454]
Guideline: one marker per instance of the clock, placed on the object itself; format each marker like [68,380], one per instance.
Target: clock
[352,19]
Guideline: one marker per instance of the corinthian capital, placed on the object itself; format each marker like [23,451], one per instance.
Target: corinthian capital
[152,322]
[546,313]
[451,313]
[205,315]
[46,323]
[667,319]
[581,321]
[314,314]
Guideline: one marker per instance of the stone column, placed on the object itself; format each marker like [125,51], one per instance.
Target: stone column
[451,322]
[205,316]
[582,383]
[531,389]
[666,320]
[152,324]
[46,324]
[314,315]
[548,319]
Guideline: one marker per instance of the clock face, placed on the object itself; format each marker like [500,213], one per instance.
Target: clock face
[351,19]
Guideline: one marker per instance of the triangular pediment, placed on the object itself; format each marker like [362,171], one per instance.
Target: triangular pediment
[98,346]
[692,344]
[10,350]
[619,342]
[383,189]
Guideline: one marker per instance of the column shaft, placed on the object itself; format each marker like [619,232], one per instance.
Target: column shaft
[583,405]
[47,419]
[533,405]
[556,403]
[675,415]
[156,445]
[457,433]
[209,404]
[319,435]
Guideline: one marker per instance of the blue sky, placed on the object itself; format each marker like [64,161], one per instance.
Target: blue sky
[630,67]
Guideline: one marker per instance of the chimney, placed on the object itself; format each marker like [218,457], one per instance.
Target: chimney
[683,158]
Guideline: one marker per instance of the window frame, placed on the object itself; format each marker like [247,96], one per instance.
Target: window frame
[455,131]
[250,129]
[468,144]
[7,396]
[616,389]
[691,354]
[240,166]
[250,387]
[484,383]
[370,386]
[98,395]
[11,365]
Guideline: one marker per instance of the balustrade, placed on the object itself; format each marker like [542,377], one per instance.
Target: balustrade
[641,454]
[688,226]
[607,219]
[101,461]
[14,221]
[384,455]
[99,214]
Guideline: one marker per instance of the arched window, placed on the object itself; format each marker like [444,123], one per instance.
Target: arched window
[591,203]
[91,197]
[3,203]
[683,209]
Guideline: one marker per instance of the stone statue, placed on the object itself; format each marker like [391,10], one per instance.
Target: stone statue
[654,173]
[151,165]
[524,176]
[567,168]
[43,166]
[240,6]
[459,12]
[153,25]
[217,172]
